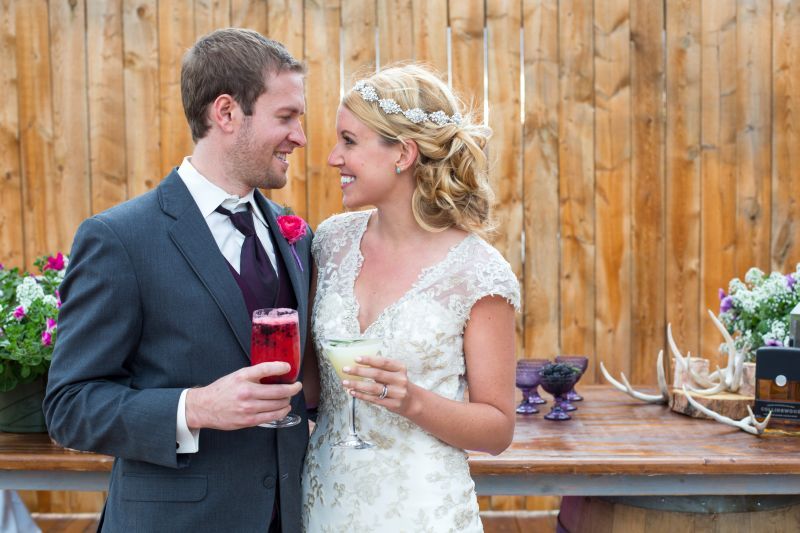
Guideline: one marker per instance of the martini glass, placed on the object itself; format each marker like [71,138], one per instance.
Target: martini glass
[342,353]
[581,362]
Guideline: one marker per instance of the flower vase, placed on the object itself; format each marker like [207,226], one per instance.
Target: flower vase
[21,408]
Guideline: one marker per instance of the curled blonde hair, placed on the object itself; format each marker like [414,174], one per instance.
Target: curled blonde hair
[451,170]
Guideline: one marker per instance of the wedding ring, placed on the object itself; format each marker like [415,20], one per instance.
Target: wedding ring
[384,392]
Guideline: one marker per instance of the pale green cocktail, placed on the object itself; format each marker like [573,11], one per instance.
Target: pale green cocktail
[342,353]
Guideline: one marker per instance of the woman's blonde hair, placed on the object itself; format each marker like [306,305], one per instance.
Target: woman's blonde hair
[452,186]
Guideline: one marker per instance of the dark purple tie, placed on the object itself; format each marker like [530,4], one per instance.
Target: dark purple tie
[255,268]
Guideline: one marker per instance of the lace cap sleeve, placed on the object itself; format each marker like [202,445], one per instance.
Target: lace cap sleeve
[491,275]
[333,233]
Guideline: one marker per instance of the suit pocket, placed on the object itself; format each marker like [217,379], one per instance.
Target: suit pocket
[158,488]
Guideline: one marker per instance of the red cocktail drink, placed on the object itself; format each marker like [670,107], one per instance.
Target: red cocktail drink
[276,337]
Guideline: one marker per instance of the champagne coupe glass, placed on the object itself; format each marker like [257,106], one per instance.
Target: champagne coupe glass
[557,379]
[527,377]
[276,337]
[581,362]
[342,353]
[533,394]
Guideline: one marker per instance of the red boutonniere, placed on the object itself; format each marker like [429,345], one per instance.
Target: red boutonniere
[293,228]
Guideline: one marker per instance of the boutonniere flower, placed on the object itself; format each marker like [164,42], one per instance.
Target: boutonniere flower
[293,228]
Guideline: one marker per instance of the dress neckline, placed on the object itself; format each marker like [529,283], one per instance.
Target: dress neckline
[358,236]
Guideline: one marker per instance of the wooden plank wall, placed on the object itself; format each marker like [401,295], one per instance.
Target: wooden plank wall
[644,152]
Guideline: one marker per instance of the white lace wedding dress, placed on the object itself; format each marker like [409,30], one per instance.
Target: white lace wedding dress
[411,481]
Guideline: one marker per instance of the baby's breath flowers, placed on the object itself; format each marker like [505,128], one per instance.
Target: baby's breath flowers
[756,310]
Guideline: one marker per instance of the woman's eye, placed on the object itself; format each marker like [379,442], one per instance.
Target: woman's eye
[348,140]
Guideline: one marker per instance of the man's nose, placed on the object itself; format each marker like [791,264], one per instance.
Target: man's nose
[298,136]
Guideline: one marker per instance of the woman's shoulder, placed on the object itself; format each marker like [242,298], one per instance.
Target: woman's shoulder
[336,231]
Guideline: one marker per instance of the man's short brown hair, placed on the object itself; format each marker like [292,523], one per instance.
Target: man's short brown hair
[231,61]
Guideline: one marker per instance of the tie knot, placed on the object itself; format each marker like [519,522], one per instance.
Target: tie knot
[242,221]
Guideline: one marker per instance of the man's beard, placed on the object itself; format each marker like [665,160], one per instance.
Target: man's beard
[247,164]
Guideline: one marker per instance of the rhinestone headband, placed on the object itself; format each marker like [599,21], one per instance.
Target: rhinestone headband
[415,115]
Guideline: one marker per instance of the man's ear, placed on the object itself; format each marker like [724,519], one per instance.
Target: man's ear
[224,113]
[408,155]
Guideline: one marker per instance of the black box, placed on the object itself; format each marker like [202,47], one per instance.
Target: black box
[778,383]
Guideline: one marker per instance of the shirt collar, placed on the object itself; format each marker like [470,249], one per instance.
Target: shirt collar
[209,196]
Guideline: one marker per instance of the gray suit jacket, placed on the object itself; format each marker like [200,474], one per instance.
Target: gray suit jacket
[150,308]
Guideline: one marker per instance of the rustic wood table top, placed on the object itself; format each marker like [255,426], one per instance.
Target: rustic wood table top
[611,433]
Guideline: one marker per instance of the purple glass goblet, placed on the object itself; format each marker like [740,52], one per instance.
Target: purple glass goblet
[581,362]
[527,380]
[557,379]
[537,364]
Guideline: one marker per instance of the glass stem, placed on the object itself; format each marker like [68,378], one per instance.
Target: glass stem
[353,417]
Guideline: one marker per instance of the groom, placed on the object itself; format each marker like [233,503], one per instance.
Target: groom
[152,360]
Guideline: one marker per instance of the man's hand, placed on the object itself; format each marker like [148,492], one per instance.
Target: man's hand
[238,400]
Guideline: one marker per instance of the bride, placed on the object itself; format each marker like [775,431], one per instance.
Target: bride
[416,273]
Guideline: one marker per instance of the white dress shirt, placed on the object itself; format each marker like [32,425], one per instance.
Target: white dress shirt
[208,197]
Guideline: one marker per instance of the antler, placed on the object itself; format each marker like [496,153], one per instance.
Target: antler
[732,374]
[685,362]
[627,389]
[749,423]
[719,387]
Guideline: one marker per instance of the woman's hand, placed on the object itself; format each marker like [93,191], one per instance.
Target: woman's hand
[390,387]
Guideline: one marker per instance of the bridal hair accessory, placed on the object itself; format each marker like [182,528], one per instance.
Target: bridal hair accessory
[293,228]
[415,115]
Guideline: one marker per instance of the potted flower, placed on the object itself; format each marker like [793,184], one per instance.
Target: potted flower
[28,317]
[756,311]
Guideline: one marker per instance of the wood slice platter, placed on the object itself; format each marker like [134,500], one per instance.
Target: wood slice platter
[725,403]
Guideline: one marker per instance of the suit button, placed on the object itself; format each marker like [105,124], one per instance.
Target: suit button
[269,482]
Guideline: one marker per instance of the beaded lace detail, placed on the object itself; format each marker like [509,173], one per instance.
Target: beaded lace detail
[412,481]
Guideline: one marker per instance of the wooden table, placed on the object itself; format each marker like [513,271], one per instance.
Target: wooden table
[614,445]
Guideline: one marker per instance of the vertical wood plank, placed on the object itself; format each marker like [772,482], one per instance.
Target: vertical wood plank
[576,156]
[466,45]
[683,172]
[322,20]
[648,296]
[785,135]
[359,25]
[141,78]
[395,31]
[286,25]
[66,191]
[430,33]
[540,170]
[106,103]
[613,187]
[754,124]
[505,148]
[175,36]
[44,209]
[12,253]
[210,15]
[250,14]
[718,162]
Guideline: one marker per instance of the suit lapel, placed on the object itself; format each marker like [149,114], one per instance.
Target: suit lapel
[191,235]
[284,253]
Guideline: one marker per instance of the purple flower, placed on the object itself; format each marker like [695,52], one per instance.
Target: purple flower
[790,281]
[51,325]
[54,263]
[726,304]
[721,294]
[1,266]
[773,342]
[19,313]
[47,339]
